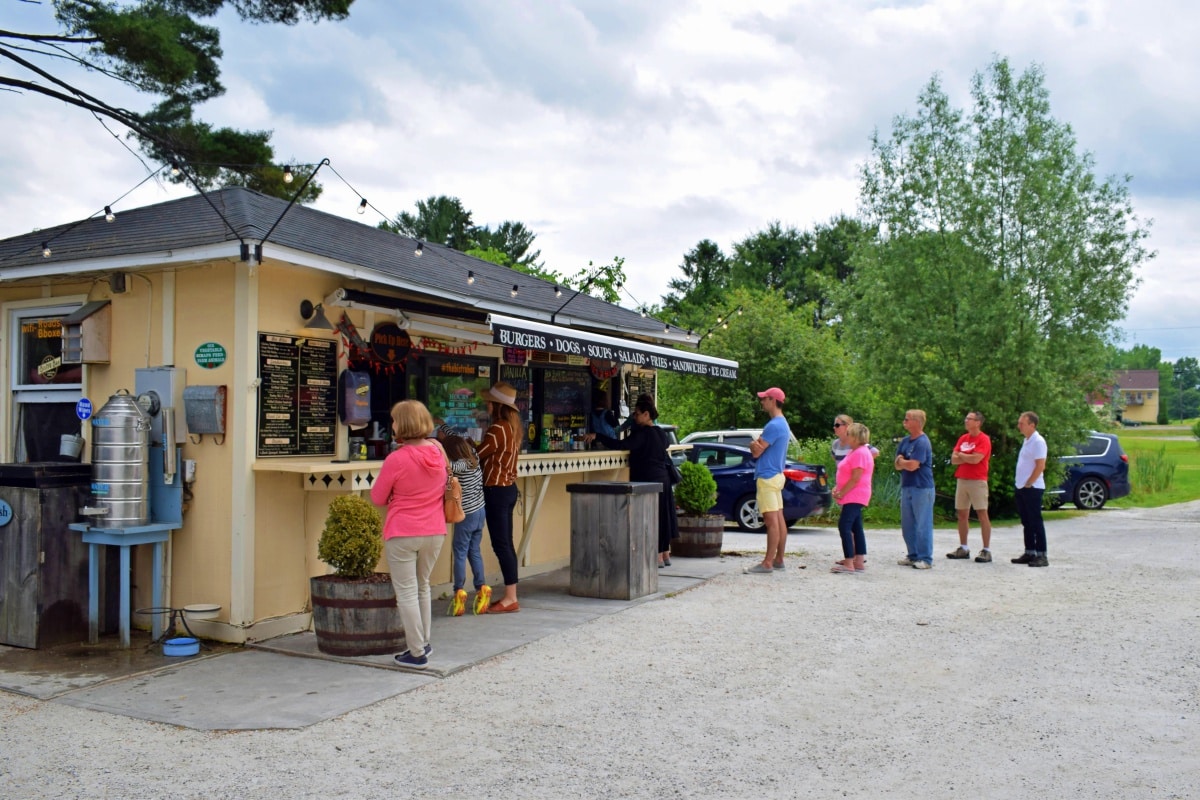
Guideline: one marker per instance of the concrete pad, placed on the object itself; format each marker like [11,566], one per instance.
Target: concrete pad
[248,690]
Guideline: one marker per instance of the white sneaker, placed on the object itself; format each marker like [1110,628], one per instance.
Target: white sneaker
[922,565]
[905,562]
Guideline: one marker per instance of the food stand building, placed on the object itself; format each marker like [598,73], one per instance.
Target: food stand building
[280,324]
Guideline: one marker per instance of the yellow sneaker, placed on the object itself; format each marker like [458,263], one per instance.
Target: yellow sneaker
[458,604]
[483,599]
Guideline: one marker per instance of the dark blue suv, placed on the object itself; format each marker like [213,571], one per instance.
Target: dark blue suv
[1099,472]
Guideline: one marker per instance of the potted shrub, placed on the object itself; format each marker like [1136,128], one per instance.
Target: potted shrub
[700,533]
[354,609]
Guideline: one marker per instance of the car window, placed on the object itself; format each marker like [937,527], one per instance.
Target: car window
[1094,446]
[734,459]
[710,456]
[739,439]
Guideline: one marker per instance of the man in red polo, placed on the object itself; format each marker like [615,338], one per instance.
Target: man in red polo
[971,455]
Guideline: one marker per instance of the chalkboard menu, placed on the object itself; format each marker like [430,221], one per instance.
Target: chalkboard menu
[518,378]
[297,396]
[566,398]
[639,382]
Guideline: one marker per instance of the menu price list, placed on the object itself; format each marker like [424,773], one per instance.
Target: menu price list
[297,397]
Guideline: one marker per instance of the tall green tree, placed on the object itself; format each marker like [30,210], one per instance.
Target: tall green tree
[160,48]
[439,219]
[705,279]
[774,344]
[1000,264]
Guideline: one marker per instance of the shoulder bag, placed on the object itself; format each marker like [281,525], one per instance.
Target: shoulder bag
[452,502]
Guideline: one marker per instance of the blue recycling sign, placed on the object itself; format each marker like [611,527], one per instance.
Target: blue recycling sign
[83,409]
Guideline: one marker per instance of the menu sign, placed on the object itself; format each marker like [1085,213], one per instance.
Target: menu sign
[297,395]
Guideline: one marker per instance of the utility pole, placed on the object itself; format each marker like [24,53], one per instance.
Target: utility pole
[1179,391]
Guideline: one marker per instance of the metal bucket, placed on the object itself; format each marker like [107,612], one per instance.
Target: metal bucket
[120,464]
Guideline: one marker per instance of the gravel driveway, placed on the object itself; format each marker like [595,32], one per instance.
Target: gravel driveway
[965,681]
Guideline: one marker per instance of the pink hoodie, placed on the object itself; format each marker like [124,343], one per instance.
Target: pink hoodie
[411,484]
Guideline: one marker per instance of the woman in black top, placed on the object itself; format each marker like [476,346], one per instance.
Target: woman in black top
[647,446]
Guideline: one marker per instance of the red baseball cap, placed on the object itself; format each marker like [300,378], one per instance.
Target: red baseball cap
[775,393]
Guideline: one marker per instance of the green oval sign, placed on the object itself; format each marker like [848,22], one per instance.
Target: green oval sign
[210,355]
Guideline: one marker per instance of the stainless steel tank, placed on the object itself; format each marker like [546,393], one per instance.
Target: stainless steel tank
[120,465]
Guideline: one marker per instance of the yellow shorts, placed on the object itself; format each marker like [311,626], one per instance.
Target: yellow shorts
[770,493]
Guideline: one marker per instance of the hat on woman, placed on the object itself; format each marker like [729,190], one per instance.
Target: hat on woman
[503,394]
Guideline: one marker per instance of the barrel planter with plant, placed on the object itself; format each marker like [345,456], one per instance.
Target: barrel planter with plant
[354,609]
[700,533]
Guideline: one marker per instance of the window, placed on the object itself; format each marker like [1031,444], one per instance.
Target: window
[44,390]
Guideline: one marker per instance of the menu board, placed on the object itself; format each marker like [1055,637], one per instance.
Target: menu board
[297,395]
[566,398]
[639,382]
[518,378]
[456,393]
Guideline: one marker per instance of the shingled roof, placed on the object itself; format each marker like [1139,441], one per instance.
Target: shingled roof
[200,227]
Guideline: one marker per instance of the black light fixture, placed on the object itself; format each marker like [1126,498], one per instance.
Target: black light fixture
[314,316]
[666,328]
[45,250]
[288,177]
[643,311]
[420,249]
[109,216]
[174,169]
[557,290]
[515,290]
[362,207]
[471,276]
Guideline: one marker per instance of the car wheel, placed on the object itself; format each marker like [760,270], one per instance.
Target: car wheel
[746,513]
[1091,494]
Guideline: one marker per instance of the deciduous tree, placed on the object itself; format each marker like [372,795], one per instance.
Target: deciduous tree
[1000,265]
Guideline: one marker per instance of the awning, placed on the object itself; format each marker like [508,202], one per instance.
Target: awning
[523,333]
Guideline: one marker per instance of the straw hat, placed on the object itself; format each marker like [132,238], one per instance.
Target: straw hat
[503,394]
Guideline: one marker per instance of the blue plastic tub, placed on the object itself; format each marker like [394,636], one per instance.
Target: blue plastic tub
[182,646]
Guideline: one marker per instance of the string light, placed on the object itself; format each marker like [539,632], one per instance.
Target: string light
[643,311]
[420,249]
[45,250]
[174,169]
[287,174]
[557,291]
[362,207]
[515,290]
[109,216]
[471,277]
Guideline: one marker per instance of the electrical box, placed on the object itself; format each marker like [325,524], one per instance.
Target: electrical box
[204,407]
[168,384]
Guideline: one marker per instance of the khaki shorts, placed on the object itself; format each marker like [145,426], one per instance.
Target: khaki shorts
[770,493]
[971,493]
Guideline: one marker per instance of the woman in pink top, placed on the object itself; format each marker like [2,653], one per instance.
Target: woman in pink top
[852,491]
[412,483]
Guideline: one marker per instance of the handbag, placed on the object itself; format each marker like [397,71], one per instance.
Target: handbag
[673,472]
[452,502]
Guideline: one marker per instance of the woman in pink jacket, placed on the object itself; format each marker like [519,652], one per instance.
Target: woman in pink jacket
[412,483]
[852,491]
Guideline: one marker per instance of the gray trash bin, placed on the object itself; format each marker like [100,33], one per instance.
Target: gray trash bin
[614,539]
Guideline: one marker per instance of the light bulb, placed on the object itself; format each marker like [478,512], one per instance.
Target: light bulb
[109,216]
[174,169]
[362,207]
[45,250]
[471,276]
[557,291]
[420,249]
[643,310]
[287,174]
[515,289]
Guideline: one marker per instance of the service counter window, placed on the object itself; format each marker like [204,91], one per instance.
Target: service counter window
[44,390]
[454,388]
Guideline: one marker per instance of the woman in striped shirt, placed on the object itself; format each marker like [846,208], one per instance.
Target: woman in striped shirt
[464,463]
[498,454]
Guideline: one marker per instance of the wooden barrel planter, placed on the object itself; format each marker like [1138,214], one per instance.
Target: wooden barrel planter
[699,537]
[356,616]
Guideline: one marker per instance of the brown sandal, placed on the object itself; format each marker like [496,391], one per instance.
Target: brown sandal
[500,608]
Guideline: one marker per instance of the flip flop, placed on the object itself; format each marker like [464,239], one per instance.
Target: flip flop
[842,569]
[500,608]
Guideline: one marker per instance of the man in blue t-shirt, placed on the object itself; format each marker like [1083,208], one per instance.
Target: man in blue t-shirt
[914,460]
[770,452]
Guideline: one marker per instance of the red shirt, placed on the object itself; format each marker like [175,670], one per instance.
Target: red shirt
[979,443]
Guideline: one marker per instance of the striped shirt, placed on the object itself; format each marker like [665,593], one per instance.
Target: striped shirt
[471,479]
[498,455]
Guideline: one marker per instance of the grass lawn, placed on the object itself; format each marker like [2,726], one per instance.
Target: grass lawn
[1179,447]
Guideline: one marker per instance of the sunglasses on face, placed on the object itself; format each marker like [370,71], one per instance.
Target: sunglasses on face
[839,424]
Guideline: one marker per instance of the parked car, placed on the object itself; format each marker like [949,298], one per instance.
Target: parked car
[739,436]
[805,493]
[1099,472]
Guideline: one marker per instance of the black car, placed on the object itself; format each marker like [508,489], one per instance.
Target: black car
[805,492]
[1099,472]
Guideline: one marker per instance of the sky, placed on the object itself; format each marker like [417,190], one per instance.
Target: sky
[634,129]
